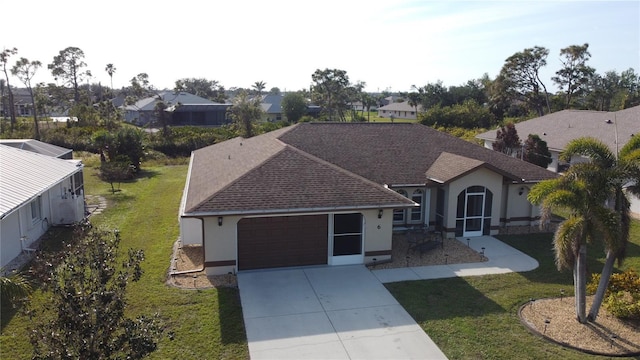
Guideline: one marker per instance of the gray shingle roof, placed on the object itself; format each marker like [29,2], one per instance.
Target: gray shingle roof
[559,128]
[170,98]
[334,165]
[25,175]
[448,167]
[396,154]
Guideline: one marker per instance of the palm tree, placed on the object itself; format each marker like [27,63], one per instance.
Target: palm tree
[110,69]
[593,193]
[622,172]
[259,86]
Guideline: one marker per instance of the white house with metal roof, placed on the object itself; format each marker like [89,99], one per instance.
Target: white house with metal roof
[36,192]
[39,147]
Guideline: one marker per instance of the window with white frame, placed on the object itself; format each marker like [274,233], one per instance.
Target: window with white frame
[398,214]
[36,209]
[416,212]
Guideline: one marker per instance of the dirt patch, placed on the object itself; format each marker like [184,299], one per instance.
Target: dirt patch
[451,251]
[187,266]
[555,320]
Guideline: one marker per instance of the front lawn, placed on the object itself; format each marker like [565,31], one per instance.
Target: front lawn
[476,317]
[207,323]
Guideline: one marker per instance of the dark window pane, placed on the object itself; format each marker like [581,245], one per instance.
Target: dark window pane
[474,224]
[347,245]
[488,202]
[459,227]
[347,223]
[486,228]
[475,189]
[398,215]
[460,209]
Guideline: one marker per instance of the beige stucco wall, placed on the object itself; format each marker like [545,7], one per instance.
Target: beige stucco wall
[221,241]
[517,210]
[480,177]
[377,233]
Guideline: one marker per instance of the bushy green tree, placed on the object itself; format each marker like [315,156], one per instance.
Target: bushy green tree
[536,151]
[467,115]
[331,91]
[574,75]
[69,66]
[520,77]
[84,317]
[294,106]
[208,89]
[126,142]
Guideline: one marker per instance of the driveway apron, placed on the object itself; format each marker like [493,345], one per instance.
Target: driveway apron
[338,312]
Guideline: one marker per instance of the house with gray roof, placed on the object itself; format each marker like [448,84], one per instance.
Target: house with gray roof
[613,128]
[182,109]
[37,191]
[333,193]
[399,110]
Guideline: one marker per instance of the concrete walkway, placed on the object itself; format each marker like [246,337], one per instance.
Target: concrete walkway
[502,259]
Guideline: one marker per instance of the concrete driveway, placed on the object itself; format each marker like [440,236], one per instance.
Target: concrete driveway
[339,312]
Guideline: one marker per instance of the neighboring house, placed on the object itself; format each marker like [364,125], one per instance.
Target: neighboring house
[39,147]
[332,193]
[399,110]
[559,128]
[21,102]
[36,192]
[272,106]
[184,109]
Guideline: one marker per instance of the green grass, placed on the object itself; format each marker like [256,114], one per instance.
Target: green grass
[476,317]
[207,323]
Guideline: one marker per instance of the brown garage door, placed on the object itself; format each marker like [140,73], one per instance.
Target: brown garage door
[282,241]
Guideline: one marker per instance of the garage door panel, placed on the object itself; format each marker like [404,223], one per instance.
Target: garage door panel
[282,241]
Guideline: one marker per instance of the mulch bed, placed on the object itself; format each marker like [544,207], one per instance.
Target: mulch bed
[555,320]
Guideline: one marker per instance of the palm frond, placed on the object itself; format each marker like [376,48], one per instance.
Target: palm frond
[592,148]
[567,240]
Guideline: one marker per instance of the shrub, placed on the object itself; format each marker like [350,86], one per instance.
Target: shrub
[622,298]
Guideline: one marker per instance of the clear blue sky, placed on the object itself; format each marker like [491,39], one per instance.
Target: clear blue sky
[389,44]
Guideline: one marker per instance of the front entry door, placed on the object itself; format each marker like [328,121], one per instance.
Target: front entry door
[474,214]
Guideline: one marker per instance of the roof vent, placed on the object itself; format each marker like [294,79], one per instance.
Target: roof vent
[608,121]
[544,133]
